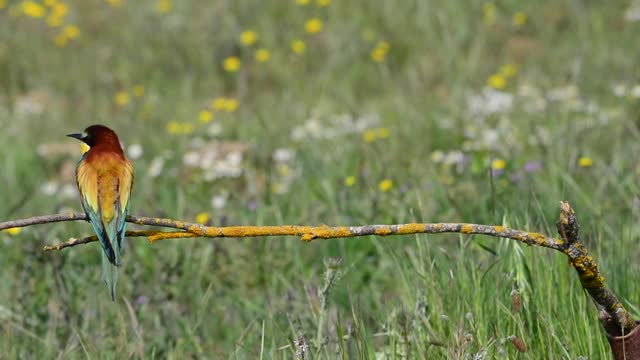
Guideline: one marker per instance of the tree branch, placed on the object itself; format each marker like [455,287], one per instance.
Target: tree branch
[45,219]
[306,233]
[615,317]
[571,244]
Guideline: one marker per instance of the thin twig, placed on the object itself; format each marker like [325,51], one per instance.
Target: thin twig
[150,234]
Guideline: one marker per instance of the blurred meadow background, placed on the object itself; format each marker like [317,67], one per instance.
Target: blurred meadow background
[322,112]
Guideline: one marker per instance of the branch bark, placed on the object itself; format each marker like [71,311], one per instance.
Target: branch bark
[306,233]
[616,316]
[150,234]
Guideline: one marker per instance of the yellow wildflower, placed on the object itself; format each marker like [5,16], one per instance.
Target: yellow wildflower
[115,3]
[379,53]
[313,26]
[437,156]
[350,180]
[50,3]
[279,188]
[323,3]
[71,31]
[205,116]
[186,128]
[519,19]
[262,55]
[298,46]
[497,81]
[488,7]
[498,164]
[202,218]
[248,38]
[489,13]
[225,104]
[13,231]
[138,90]
[231,105]
[122,98]
[509,70]
[232,64]
[219,103]
[585,161]
[163,6]
[284,170]
[369,136]
[60,9]
[61,40]
[385,185]
[302,2]
[382,133]
[33,9]
[173,127]
[54,20]
[383,45]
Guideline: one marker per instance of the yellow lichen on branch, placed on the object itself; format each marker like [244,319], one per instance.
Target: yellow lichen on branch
[586,267]
[568,228]
[305,233]
[161,235]
[588,273]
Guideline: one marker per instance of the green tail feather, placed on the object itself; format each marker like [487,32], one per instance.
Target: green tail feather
[109,275]
[110,268]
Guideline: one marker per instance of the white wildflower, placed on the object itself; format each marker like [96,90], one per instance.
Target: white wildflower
[191,158]
[283,155]
[619,90]
[134,151]
[29,106]
[336,126]
[564,93]
[215,129]
[226,169]
[49,188]
[219,201]
[43,149]
[234,158]
[454,157]
[157,164]
[68,191]
[490,101]
[633,12]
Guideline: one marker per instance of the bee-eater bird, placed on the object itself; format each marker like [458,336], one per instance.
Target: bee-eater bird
[105,177]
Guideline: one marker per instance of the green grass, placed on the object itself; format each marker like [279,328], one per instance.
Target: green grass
[445,296]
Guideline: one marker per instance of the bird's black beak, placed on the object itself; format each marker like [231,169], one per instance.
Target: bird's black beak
[77,136]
